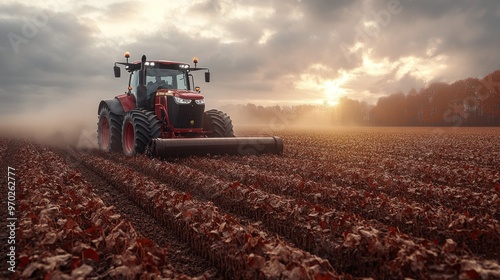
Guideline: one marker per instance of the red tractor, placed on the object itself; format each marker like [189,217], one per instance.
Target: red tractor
[161,115]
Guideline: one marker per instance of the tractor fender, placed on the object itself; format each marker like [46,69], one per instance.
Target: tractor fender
[114,106]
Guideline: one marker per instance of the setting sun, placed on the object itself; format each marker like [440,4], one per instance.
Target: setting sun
[315,78]
[335,89]
[332,92]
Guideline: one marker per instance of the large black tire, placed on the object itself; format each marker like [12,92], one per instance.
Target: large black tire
[139,127]
[218,124]
[109,131]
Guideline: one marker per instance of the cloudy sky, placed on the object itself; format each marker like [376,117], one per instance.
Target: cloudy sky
[56,56]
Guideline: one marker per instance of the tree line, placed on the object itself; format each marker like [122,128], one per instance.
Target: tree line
[467,102]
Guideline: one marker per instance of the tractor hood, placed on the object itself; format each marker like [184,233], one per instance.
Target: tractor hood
[184,94]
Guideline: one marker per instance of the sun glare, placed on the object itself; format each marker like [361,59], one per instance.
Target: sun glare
[335,89]
[332,92]
[327,91]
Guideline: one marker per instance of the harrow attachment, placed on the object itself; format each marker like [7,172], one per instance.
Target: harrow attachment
[165,148]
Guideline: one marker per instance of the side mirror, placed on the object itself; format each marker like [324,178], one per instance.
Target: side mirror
[207,77]
[117,71]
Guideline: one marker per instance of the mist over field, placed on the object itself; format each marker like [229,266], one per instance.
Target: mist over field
[70,122]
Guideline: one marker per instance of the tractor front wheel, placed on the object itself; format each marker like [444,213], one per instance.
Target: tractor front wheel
[139,127]
[109,131]
[217,124]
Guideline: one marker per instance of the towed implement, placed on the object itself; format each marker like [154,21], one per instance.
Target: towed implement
[161,115]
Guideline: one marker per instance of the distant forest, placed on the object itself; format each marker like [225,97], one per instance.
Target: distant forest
[468,102]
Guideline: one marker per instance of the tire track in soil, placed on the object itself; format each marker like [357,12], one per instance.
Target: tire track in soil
[178,252]
[7,159]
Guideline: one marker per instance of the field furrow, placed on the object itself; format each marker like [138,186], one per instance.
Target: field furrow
[321,230]
[66,231]
[240,250]
[420,219]
[479,199]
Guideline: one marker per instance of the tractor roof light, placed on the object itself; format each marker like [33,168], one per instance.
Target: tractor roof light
[195,61]
[127,56]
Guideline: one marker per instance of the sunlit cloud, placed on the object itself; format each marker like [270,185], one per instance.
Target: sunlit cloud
[355,83]
[267,34]
[318,78]
[424,69]
[232,10]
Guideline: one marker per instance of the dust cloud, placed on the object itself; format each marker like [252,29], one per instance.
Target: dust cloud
[73,121]
[66,123]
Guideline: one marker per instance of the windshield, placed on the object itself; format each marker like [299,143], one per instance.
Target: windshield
[166,78]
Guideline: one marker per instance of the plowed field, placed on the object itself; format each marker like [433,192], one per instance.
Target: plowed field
[386,203]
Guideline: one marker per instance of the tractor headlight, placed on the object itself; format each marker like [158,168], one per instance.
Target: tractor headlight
[200,101]
[179,100]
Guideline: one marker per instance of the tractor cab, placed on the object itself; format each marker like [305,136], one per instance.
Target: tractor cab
[159,78]
[160,74]
[165,88]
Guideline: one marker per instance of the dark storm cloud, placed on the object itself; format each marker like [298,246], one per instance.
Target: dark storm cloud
[325,10]
[45,57]
[458,27]
[466,32]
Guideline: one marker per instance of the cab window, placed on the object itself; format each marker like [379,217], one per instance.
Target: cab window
[134,82]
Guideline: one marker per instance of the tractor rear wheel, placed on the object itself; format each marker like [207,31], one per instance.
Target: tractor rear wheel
[139,127]
[218,124]
[109,131]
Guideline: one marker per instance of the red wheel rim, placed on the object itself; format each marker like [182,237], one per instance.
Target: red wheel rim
[105,133]
[128,138]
